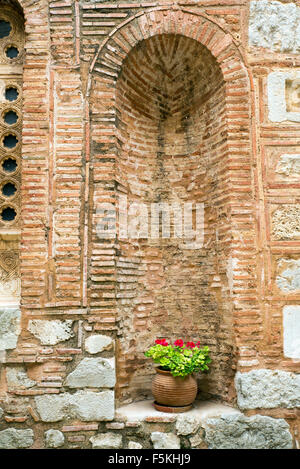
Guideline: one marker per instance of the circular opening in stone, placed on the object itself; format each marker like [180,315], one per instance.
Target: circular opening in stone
[5,29]
[11,93]
[8,214]
[9,165]
[12,52]
[9,189]
[10,117]
[10,141]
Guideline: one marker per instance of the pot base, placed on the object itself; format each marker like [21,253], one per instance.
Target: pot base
[172,409]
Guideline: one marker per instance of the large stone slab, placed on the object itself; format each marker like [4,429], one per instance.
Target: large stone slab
[51,332]
[83,405]
[241,432]
[93,372]
[267,389]
[274,25]
[9,327]
[11,438]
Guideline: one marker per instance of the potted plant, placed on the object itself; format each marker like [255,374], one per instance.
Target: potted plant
[174,387]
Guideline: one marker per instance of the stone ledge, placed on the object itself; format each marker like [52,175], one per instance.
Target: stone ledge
[144,411]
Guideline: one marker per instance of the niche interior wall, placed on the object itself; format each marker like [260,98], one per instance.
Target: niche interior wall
[168,102]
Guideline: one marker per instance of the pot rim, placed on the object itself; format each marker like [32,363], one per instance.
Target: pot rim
[158,369]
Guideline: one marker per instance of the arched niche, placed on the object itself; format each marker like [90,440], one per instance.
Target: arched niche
[164,128]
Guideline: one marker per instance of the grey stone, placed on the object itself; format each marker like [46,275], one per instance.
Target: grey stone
[165,440]
[93,372]
[267,389]
[54,438]
[83,405]
[16,377]
[241,432]
[106,441]
[9,328]
[134,445]
[187,424]
[51,332]
[98,343]
[11,438]
[1,413]
[274,25]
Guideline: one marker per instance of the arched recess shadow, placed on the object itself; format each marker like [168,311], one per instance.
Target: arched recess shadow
[161,95]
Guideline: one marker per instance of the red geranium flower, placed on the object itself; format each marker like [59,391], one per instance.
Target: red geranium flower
[162,342]
[178,343]
[198,344]
[190,345]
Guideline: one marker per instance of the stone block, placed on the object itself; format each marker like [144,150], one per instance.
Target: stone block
[274,25]
[187,424]
[291,331]
[16,377]
[9,327]
[165,440]
[288,278]
[51,332]
[83,405]
[98,343]
[267,389]
[106,441]
[54,438]
[241,432]
[11,438]
[93,372]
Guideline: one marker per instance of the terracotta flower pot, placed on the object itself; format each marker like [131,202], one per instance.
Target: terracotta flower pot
[173,394]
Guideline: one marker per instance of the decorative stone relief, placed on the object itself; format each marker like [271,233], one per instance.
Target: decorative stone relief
[291,331]
[288,278]
[274,25]
[10,282]
[286,222]
[284,96]
[289,164]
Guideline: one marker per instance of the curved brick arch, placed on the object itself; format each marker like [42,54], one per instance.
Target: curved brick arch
[166,20]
